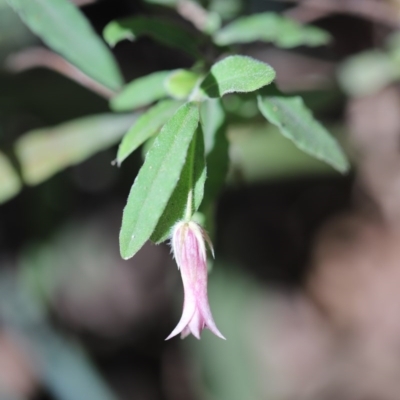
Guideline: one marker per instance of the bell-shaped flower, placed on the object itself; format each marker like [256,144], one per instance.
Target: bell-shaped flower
[188,246]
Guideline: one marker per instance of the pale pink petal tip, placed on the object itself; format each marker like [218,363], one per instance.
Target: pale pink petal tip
[216,332]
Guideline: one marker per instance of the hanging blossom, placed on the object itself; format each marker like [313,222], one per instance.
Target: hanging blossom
[188,246]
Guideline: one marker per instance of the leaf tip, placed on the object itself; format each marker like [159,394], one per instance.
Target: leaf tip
[345,166]
[124,250]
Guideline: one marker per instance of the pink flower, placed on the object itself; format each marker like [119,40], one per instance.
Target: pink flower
[188,245]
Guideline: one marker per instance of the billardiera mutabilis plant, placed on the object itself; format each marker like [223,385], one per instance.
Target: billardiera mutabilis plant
[184,127]
[191,142]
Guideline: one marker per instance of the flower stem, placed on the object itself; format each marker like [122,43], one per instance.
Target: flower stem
[191,158]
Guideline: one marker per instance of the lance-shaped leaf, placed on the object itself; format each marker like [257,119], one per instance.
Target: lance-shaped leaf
[296,123]
[63,27]
[10,183]
[146,126]
[141,92]
[181,83]
[190,185]
[164,31]
[237,74]
[261,153]
[271,27]
[213,122]
[44,152]
[157,179]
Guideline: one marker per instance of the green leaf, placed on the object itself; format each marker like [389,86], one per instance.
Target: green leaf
[64,28]
[191,183]
[367,73]
[237,74]
[146,126]
[181,83]
[296,123]
[213,122]
[147,146]
[10,183]
[227,10]
[260,153]
[271,27]
[141,92]
[157,179]
[166,32]
[44,152]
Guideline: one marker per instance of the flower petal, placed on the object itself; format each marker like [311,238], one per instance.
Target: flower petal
[189,308]
[196,324]
[209,320]
[186,332]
